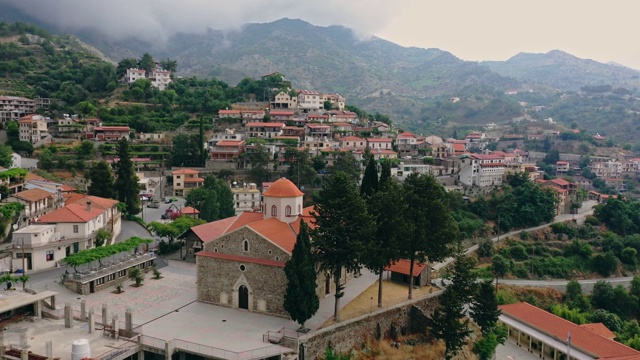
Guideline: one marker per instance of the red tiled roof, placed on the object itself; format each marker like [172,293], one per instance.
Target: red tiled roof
[32,176]
[229,112]
[406,134]
[112,128]
[283,187]
[458,147]
[379,140]
[33,195]
[264,124]
[277,232]
[562,163]
[230,143]
[281,113]
[486,157]
[558,328]
[599,329]
[231,257]
[185,172]
[561,182]
[189,210]
[243,219]
[402,267]
[213,230]
[72,213]
[352,138]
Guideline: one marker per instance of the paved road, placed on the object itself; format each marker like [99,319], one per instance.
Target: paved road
[585,210]
[587,285]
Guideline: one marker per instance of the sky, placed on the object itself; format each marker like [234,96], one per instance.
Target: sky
[470,29]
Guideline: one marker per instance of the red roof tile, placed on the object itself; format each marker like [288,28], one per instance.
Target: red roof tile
[558,328]
[213,230]
[189,210]
[599,329]
[264,124]
[283,188]
[278,232]
[250,260]
[402,267]
[33,195]
[185,172]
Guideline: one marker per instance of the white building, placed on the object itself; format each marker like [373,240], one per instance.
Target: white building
[40,246]
[16,161]
[160,79]
[228,134]
[481,170]
[12,108]
[134,75]
[33,128]
[264,129]
[246,198]
[309,100]
[284,101]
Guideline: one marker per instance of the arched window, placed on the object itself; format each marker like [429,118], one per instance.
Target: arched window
[299,212]
[287,211]
[274,211]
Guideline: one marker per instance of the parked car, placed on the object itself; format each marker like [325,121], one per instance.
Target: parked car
[154,205]
[168,200]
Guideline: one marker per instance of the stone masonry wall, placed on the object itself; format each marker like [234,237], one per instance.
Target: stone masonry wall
[353,333]
[259,247]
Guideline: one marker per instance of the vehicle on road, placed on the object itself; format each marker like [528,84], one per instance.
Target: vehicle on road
[168,200]
[154,205]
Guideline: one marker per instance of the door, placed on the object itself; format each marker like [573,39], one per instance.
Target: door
[243,294]
[76,247]
[327,284]
[92,287]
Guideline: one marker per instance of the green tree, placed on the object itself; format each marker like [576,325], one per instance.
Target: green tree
[169,65]
[605,264]
[300,299]
[500,267]
[102,180]
[463,282]
[300,166]
[484,307]
[136,275]
[214,199]
[370,180]
[347,163]
[6,159]
[258,159]
[383,247]
[385,173]
[103,236]
[486,346]
[602,295]
[432,228]
[146,62]
[86,150]
[126,181]
[574,297]
[339,235]
[449,323]
[125,64]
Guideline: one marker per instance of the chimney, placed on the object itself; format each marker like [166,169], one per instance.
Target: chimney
[88,205]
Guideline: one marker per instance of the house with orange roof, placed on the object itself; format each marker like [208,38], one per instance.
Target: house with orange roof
[229,114]
[378,154]
[185,180]
[283,100]
[353,143]
[399,272]
[264,129]
[111,133]
[380,143]
[64,231]
[36,202]
[227,149]
[548,336]
[562,167]
[240,260]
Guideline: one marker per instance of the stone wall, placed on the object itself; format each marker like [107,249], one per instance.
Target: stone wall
[353,333]
[259,247]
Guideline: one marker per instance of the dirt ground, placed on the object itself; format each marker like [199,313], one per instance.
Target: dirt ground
[392,294]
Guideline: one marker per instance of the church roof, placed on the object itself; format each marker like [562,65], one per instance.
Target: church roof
[283,188]
[277,232]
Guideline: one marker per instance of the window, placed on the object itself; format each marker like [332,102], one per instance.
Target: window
[274,211]
[245,246]
[49,255]
[76,229]
[243,268]
[287,211]
[299,212]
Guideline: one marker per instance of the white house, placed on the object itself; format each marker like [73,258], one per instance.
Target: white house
[39,246]
[309,100]
[246,198]
[16,161]
[481,170]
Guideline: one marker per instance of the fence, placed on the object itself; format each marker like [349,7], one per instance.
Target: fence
[210,351]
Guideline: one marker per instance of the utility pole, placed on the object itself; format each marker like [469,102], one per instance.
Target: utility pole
[161,177]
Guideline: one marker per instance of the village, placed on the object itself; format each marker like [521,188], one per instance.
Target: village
[239,260]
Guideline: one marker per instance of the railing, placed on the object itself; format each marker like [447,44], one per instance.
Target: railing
[210,351]
[86,276]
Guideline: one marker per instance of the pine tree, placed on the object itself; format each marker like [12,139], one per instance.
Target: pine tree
[343,225]
[484,307]
[102,180]
[370,180]
[300,299]
[432,227]
[449,324]
[126,180]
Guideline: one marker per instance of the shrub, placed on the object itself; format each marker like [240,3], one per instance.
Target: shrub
[156,272]
[520,271]
[524,235]
[518,252]
[136,275]
[485,248]
[591,220]
[605,264]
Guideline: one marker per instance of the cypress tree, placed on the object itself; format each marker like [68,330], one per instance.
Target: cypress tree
[484,307]
[385,174]
[127,181]
[369,184]
[300,299]
[102,181]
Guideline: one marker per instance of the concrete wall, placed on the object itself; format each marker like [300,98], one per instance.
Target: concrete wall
[353,333]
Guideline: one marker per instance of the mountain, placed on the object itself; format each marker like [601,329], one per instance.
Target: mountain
[564,71]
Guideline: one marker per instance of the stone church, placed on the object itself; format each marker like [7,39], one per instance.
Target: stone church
[240,260]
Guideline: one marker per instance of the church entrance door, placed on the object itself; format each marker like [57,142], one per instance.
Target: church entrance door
[243,294]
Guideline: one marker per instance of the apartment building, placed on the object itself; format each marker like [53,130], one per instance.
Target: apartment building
[185,180]
[246,198]
[481,170]
[309,100]
[33,128]
[12,108]
[264,129]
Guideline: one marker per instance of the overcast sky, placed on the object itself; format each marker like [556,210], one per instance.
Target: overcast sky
[470,29]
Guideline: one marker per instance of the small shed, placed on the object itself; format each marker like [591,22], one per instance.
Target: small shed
[399,272]
[190,211]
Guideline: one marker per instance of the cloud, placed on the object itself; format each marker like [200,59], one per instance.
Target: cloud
[159,19]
